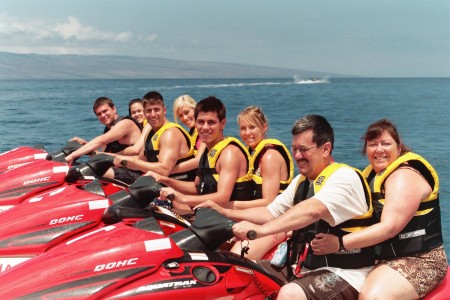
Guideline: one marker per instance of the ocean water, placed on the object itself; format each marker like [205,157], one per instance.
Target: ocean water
[49,112]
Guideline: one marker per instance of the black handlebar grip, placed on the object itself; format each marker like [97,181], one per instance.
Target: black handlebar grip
[251,234]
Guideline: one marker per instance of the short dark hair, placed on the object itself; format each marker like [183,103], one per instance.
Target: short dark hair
[211,104]
[376,129]
[101,101]
[153,97]
[322,130]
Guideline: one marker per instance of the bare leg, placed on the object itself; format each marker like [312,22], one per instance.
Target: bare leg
[259,247]
[385,283]
[291,291]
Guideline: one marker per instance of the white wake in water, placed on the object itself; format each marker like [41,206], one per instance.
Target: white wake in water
[298,80]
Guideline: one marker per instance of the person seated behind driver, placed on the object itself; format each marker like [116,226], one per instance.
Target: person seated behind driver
[119,132]
[183,109]
[161,146]
[405,190]
[224,172]
[327,196]
[272,171]
[136,111]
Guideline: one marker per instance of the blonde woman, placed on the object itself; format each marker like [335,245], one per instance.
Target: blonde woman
[183,110]
[273,170]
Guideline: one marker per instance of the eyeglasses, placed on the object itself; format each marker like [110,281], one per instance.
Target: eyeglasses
[302,150]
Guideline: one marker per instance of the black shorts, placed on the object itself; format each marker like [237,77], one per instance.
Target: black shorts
[126,175]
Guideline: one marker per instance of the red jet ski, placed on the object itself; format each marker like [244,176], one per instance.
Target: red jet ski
[27,181]
[19,156]
[51,218]
[25,154]
[141,262]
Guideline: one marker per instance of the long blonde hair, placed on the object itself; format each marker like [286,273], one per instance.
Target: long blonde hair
[180,102]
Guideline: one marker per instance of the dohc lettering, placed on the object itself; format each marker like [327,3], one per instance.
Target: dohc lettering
[116,264]
[37,180]
[15,166]
[66,219]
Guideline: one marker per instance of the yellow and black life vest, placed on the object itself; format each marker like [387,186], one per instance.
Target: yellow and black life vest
[243,188]
[423,232]
[350,259]
[152,149]
[255,159]
[193,133]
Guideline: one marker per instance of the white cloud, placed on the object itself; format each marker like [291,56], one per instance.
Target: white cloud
[68,36]
[73,29]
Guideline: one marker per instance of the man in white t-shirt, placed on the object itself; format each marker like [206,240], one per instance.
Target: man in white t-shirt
[326,197]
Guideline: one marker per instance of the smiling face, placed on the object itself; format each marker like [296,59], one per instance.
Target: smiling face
[186,115]
[382,151]
[155,113]
[311,159]
[210,129]
[106,114]
[250,132]
[137,112]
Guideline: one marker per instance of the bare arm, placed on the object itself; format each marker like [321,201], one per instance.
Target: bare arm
[118,131]
[170,145]
[228,165]
[271,166]
[184,187]
[139,145]
[299,216]
[190,164]
[257,215]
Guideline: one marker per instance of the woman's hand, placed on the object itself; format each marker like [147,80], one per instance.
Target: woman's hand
[210,204]
[154,175]
[171,194]
[241,230]
[325,243]
[118,160]
[78,140]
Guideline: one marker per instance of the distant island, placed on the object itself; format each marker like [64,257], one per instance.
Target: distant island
[36,66]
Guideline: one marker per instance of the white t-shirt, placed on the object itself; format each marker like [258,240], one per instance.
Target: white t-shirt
[344,197]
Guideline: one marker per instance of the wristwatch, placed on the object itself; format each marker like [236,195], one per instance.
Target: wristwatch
[124,162]
[341,245]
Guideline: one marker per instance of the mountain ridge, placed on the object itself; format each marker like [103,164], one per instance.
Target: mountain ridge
[73,66]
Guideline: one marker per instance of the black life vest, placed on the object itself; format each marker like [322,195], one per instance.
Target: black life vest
[349,259]
[115,146]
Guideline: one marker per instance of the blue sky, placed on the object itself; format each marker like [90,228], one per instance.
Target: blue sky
[396,38]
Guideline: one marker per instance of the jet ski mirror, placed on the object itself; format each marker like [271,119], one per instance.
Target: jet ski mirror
[144,190]
[96,166]
[209,230]
[132,203]
[59,156]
